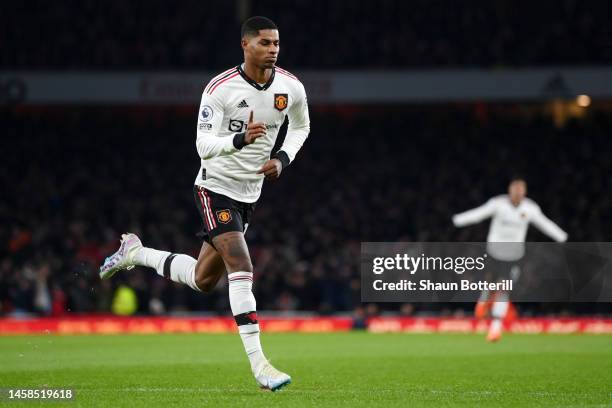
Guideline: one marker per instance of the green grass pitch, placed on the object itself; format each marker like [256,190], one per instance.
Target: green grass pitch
[344,369]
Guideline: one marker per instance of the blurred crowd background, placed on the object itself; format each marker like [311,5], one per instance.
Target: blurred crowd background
[74,178]
[192,34]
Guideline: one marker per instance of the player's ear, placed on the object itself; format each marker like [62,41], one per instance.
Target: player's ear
[244,42]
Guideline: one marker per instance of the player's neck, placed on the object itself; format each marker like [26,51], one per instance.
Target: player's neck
[259,75]
[516,203]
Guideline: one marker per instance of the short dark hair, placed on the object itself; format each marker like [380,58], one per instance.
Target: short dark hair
[252,26]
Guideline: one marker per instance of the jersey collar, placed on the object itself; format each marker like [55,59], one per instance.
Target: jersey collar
[253,83]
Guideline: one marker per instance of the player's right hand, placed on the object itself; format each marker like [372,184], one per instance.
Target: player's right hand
[254,130]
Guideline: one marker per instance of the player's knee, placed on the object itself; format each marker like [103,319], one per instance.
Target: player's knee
[206,284]
[239,264]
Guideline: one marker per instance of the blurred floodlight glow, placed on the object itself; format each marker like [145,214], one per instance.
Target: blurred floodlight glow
[583,100]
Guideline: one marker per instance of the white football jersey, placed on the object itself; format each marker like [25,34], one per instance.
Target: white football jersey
[509,223]
[227,101]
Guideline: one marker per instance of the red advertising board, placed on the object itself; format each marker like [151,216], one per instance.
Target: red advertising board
[148,325]
[114,325]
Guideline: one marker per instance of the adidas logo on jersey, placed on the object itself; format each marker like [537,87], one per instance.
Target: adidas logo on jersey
[243,104]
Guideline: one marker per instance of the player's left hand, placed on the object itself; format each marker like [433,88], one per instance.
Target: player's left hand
[271,169]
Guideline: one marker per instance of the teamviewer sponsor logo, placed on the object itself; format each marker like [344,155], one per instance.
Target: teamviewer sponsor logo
[236,125]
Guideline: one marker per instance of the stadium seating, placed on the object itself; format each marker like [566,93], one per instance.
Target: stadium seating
[409,170]
[192,35]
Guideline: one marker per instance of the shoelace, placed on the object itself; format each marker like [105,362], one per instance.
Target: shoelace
[112,260]
[116,257]
[269,371]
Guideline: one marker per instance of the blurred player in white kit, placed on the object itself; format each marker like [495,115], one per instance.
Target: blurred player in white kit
[510,216]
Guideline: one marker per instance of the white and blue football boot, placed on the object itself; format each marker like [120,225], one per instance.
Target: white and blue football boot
[269,378]
[123,258]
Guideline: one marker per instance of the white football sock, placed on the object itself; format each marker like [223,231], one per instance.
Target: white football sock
[498,312]
[484,296]
[182,270]
[244,309]
[500,305]
[496,325]
[152,258]
[176,267]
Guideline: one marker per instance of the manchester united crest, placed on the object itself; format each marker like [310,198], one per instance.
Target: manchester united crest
[281,101]
[224,216]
